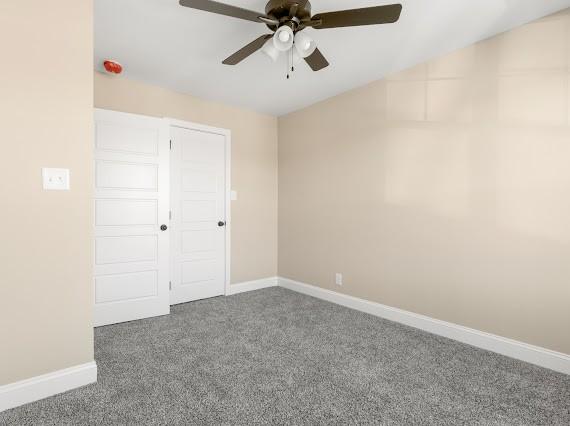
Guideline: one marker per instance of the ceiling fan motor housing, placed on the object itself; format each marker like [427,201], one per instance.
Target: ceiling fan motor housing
[281,11]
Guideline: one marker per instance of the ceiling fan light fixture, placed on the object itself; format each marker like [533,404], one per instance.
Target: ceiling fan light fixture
[270,50]
[283,38]
[287,17]
[304,45]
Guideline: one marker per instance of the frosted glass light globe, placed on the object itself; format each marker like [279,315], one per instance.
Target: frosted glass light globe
[284,36]
[304,45]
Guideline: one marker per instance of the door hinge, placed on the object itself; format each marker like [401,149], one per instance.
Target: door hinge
[170,215]
[170,144]
[170,285]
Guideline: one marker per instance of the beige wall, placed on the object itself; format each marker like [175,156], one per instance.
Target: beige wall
[46,104]
[254,164]
[443,190]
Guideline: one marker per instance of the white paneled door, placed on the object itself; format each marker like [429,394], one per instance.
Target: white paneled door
[199,214]
[132,190]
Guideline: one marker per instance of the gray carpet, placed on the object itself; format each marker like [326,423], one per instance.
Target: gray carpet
[278,357]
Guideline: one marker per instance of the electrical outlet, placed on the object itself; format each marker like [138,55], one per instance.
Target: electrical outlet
[338,278]
[55,179]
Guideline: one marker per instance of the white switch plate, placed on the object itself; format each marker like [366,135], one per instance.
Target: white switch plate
[338,278]
[233,195]
[55,179]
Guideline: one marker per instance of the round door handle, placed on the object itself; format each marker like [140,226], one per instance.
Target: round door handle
[220,223]
[163,228]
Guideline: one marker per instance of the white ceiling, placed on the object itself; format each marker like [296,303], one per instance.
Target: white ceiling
[163,43]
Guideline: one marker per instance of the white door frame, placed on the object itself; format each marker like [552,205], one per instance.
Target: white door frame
[228,154]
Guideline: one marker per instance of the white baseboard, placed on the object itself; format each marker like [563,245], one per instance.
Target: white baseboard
[253,285]
[512,348]
[40,387]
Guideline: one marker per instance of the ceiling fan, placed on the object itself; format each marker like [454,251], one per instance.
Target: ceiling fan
[287,18]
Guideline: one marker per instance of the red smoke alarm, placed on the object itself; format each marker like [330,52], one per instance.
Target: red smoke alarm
[113,67]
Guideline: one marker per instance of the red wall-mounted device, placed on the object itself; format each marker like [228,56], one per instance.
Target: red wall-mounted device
[113,67]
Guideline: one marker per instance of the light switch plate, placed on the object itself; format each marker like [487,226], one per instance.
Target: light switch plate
[55,179]
[233,195]
[338,278]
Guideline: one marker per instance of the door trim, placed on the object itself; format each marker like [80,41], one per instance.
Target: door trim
[171,122]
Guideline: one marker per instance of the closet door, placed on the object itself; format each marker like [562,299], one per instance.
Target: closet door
[199,214]
[131,215]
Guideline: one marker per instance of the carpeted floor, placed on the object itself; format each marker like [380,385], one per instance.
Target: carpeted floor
[278,357]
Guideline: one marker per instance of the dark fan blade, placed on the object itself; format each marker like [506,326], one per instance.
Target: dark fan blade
[223,9]
[355,17]
[251,48]
[317,61]
[302,3]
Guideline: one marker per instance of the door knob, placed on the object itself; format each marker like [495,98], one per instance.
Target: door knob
[163,228]
[220,223]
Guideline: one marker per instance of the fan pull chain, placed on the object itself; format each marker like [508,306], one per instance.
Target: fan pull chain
[288,67]
[292,61]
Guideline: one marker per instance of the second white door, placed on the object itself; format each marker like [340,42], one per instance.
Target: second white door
[199,215]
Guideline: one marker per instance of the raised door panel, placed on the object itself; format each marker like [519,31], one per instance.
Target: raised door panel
[121,212]
[126,176]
